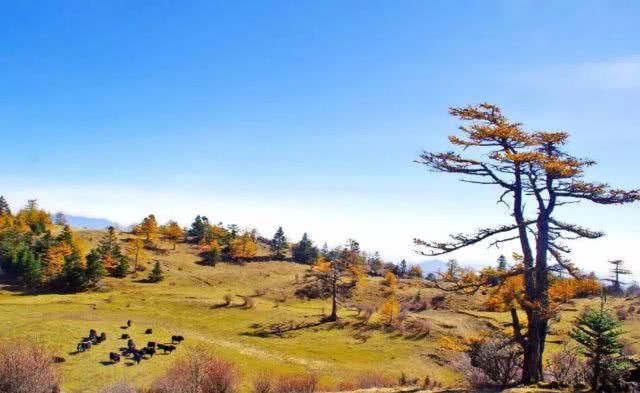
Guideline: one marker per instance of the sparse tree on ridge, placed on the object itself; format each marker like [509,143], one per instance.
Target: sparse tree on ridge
[304,251]
[149,227]
[244,246]
[502,263]
[279,244]
[403,269]
[618,270]
[173,232]
[376,264]
[60,219]
[525,167]
[4,206]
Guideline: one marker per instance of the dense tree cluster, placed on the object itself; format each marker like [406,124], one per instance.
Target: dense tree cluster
[44,257]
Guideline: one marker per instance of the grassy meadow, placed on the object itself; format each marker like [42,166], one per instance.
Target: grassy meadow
[189,302]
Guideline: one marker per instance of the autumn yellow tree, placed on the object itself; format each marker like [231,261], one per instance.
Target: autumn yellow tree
[527,169]
[173,232]
[244,246]
[148,227]
[390,309]
[135,251]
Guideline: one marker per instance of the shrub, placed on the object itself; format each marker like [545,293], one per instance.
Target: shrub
[199,371]
[375,380]
[622,314]
[494,362]
[475,376]
[421,327]
[120,387]
[566,367]
[263,384]
[304,383]
[438,301]
[26,367]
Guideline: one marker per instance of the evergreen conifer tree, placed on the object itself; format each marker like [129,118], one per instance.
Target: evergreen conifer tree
[95,269]
[304,251]
[279,244]
[4,206]
[598,332]
[156,273]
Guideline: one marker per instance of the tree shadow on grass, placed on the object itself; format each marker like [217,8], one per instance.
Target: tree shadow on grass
[282,329]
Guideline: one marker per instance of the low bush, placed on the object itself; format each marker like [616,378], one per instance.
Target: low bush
[304,383]
[199,371]
[375,380]
[566,368]
[493,362]
[26,367]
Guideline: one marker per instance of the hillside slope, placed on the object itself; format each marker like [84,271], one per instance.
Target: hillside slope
[190,302]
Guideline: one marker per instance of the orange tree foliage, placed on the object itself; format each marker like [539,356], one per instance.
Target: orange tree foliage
[148,227]
[510,293]
[244,246]
[173,232]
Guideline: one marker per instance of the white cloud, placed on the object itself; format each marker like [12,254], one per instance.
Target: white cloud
[622,73]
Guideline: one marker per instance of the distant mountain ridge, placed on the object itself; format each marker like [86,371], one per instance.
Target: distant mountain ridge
[433,266]
[89,222]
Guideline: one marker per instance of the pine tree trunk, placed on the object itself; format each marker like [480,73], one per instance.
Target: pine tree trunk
[536,335]
[334,299]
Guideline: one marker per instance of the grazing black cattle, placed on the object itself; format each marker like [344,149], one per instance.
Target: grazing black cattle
[125,336]
[148,331]
[176,339]
[151,344]
[137,357]
[83,346]
[114,357]
[92,334]
[131,344]
[150,351]
[166,348]
[129,323]
[102,337]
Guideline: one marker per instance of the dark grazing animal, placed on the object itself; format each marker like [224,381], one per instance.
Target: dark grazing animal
[166,348]
[114,357]
[151,344]
[129,323]
[83,346]
[137,357]
[92,334]
[102,337]
[125,336]
[131,344]
[148,351]
[148,331]
[176,339]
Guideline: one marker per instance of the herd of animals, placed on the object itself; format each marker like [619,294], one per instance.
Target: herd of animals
[131,350]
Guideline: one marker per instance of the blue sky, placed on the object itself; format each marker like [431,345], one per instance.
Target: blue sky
[308,114]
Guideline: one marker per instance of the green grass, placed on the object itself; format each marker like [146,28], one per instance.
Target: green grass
[185,303]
